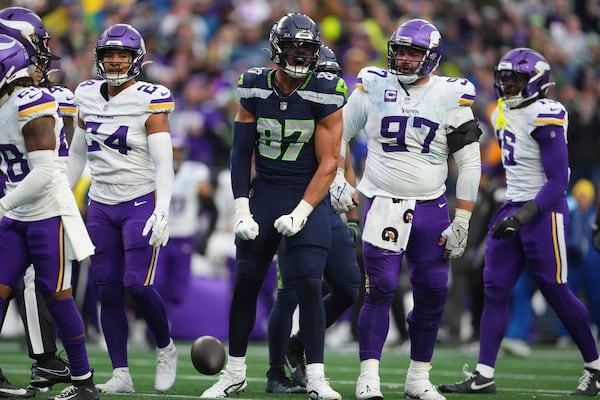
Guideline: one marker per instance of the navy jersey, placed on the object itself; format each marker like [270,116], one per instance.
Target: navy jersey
[285,125]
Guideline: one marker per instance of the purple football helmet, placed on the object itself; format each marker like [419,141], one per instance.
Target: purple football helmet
[421,35]
[14,60]
[120,37]
[295,38]
[327,61]
[521,75]
[25,26]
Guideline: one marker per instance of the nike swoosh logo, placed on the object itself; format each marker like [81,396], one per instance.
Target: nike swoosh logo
[65,372]
[70,98]
[442,205]
[164,93]
[138,203]
[340,190]
[14,392]
[475,386]
[234,388]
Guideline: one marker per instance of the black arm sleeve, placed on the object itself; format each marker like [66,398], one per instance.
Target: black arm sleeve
[468,132]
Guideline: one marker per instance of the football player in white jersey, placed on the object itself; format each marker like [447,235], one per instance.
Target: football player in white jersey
[123,133]
[529,229]
[26,27]
[41,221]
[414,121]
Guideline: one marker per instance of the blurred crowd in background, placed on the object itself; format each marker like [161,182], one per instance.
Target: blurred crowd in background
[198,48]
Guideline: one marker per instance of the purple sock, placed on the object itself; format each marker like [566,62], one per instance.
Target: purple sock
[153,310]
[114,322]
[71,332]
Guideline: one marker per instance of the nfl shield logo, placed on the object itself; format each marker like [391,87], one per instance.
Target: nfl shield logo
[105,107]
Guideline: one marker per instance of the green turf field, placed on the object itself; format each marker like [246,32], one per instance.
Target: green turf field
[548,373]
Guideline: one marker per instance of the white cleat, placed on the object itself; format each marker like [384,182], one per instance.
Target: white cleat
[166,368]
[368,389]
[227,384]
[119,383]
[421,389]
[319,389]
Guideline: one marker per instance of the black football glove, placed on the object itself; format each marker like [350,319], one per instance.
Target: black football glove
[596,233]
[509,226]
[354,227]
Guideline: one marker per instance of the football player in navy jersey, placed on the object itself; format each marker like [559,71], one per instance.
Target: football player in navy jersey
[529,229]
[290,120]
[341,272]
[414,120]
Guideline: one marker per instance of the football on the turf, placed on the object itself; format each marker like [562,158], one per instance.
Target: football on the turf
[208,355]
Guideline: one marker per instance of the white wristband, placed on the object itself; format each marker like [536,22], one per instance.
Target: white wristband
[462,215]
[242,206]
[303,209]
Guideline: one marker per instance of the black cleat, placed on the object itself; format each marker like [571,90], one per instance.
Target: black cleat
[589,383]
[7,390]
[85,392]
[295,361]
[278,383]
[49,373]
[473,383]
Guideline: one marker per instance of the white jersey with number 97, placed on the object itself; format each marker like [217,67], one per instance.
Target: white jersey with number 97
[406,130]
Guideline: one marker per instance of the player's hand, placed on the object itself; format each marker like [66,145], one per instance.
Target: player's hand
[454,237]
[292,223]
[596,236]
[245,227]
[341,193]
[509,226]
[354,228]
[159,224]
[506,228]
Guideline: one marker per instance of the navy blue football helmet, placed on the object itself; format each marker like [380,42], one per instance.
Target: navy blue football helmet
[295,43]
[327,61]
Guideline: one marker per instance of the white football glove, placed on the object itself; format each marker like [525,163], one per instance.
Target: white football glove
[159,223]
[292,223]
[341,192]
[245,227]
[456,234]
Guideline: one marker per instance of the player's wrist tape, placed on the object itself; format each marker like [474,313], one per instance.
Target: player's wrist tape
[462,216]
[242,206]
[303,209]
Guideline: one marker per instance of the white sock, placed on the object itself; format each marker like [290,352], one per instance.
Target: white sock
[237,365]
[418,369]
[315,370]
[593,365]
[370,368]
[485,370]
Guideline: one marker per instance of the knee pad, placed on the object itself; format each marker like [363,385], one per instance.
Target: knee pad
[428,307]
[380,289]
